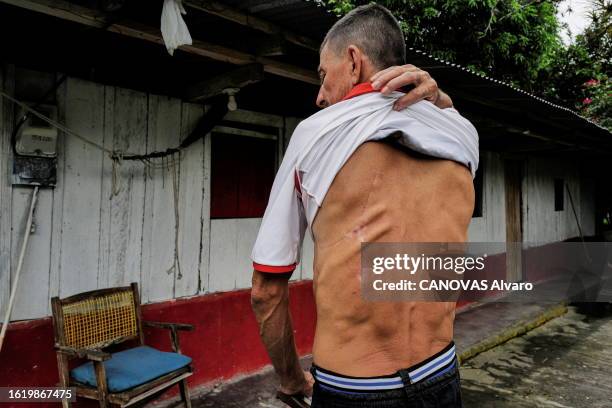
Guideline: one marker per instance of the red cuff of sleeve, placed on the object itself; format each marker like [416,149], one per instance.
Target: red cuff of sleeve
[274,269]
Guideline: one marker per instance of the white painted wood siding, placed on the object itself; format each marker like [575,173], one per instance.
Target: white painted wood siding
[491,227]
[541,223]
[86,238]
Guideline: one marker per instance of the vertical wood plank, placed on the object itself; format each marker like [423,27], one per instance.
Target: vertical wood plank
[204,285]
[190,204]
[32,296]
[105,270]
[6,112]
[58,199]
[247,229]
[488,228]
[84,110]
[223,238]
[573,184]
[121,214]
[513,182]
[230,253]
[164,124]
[542,223]
[126,208]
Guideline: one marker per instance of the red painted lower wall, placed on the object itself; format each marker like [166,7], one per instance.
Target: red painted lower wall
[225,342]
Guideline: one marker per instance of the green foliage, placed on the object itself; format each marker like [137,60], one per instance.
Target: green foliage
[597,103]
[513,40]
[579,75]
[339,7]
[508,39]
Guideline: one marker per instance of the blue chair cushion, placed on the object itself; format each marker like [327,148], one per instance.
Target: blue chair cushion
[133,367]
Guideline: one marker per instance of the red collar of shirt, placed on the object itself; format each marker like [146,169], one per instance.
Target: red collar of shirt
[360,89]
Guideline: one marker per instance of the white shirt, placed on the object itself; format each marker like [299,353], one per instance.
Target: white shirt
[321,145]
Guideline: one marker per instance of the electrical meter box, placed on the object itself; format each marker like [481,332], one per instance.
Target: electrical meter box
[35,149]
[36,137]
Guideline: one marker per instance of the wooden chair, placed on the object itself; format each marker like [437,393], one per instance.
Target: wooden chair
[87,323]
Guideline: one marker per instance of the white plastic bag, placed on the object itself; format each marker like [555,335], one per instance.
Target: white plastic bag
[173,27]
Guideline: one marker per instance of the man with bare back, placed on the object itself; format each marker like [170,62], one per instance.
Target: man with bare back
[366,354]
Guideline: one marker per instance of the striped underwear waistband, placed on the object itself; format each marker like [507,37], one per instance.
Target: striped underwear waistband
[432,367]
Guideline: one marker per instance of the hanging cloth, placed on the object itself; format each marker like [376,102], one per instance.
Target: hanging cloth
[173,27]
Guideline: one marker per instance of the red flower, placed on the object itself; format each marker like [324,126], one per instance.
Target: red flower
[586,101]
[591,82]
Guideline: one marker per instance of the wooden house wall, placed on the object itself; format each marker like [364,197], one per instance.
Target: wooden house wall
[541,223]
[85,238]
[491,227]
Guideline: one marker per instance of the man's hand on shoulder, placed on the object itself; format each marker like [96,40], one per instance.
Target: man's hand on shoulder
[425,87]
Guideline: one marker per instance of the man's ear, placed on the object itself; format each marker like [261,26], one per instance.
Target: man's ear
[356,58]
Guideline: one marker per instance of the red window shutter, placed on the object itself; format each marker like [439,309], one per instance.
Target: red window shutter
[243,170]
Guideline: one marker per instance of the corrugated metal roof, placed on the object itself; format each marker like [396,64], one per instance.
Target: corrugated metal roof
[519,106]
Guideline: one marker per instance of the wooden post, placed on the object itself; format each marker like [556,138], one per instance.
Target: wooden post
[102,385]
[64,375]
[513,170]
[139,330]
[175,340]
[184,388]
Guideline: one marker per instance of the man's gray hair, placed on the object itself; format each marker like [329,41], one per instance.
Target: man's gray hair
[374,30]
